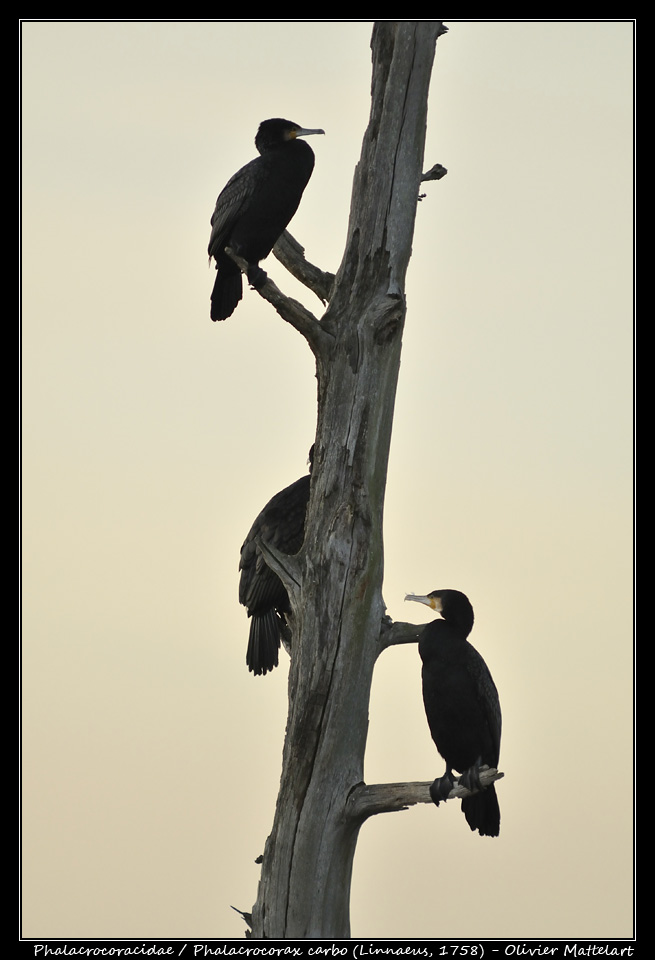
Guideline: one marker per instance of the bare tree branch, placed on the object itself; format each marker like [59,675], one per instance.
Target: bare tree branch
[368,800]
[394,633]
[434,173]
[290,310]
[291,254]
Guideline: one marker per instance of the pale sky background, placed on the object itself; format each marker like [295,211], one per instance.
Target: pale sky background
[152,438]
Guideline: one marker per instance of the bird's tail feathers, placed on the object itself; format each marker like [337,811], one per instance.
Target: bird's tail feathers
[228,290]
[482,812]
[263,642]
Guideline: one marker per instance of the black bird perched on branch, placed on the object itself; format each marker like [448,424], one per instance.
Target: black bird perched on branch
[462,706]
[255,206]
[282,524]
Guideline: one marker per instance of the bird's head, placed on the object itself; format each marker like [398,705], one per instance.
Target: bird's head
[275,132]
[453,605]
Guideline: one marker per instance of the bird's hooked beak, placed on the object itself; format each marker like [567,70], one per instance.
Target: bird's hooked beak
[433,602]
[305,132]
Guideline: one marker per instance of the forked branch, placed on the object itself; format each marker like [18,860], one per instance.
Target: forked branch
[291,254]
[290,310]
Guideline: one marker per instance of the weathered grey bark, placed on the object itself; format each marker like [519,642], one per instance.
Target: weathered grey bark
[335,582]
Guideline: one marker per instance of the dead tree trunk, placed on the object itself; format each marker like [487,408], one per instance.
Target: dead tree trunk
[335,582]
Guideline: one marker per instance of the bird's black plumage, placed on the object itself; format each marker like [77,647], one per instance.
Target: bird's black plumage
[461,705]
[255,206]
[282,524]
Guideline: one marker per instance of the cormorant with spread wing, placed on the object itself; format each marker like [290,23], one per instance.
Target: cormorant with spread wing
[461,705]
[282,524]
[255,206]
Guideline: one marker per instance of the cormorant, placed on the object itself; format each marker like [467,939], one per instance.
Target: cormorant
[255,206]
[461,705]
[282,524]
